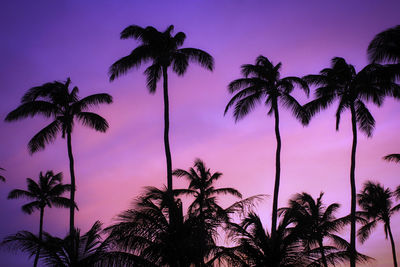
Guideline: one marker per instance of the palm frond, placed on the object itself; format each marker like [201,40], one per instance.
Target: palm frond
[385,46]
[30,109]
[392,157]
[45,136]
[198,56]
[153,75]
[93,120]
[366,122]
[92,100]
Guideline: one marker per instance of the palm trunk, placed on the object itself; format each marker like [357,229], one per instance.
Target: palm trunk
[277,169]
[73,186]
[322,250]
[166,131]
[353,190]
[40,236]
[392,243]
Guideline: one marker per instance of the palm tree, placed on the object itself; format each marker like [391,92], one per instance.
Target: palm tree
[1,176]
[74,250]
[256,247]
[315,222]
[148,232]
[162,49]
[47,192]
[205,208]
[55,100]
[377,205]
[262,81]
[341,82]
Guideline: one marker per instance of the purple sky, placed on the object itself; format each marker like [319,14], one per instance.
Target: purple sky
[44,41]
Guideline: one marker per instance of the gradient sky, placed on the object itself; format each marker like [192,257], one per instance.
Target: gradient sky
[43,41]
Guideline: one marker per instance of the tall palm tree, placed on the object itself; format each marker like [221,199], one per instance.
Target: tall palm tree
[47,192]
[163,50]
[55,100]
[316,222]
[341,82]
[376,203]
[1,176]
[262,82]
[205,207]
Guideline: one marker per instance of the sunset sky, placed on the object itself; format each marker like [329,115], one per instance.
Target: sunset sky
[43,41]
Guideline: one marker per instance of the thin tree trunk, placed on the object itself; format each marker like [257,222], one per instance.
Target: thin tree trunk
[392,243]
[40,236]
[277,170]
[322,250]
[166,131]
[353,190]
[73,186]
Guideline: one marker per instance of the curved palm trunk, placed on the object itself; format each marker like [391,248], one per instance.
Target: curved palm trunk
[73,187]
[277,170]
[166,131]
[322,250]
[40,236]
[392,243]
[353,190]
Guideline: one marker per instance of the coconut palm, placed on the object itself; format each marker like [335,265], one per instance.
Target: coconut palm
[74,250]
[341,82]
[376,203]
[46,193]
[262,82]
[55,100]
[316,222]
[163,50]
[1,176]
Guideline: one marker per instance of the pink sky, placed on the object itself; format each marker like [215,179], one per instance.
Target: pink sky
[52,40]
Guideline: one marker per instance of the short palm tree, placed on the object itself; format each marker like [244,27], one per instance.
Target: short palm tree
[1,176]
[47,192]
[262,82]
[74,250]
[256,247]
[205,208]
[341,82]
[376,203]
[149,234]
[316,222]
[55,100]
[163,50]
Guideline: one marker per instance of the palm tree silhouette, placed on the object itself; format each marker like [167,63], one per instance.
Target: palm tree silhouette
[341,82]
[376,203]
[262,81]
[47,192]
[163,50]
[149,233]
[74,250]
[315,222]
[204,208]
[1,176]
[256,247]
[55,100]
